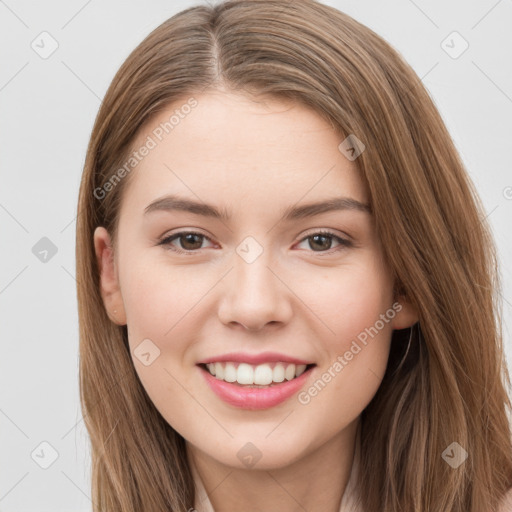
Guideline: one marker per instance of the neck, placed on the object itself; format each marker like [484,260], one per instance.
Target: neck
[316,482]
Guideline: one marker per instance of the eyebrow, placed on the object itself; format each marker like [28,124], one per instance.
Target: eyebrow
[176,203]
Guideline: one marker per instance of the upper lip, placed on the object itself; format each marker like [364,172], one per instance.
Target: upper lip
[261,358]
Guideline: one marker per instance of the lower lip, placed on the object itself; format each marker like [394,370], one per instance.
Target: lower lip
[255,398]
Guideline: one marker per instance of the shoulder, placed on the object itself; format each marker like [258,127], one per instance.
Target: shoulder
[506,503]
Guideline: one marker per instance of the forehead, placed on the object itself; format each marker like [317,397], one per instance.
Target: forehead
[257,150]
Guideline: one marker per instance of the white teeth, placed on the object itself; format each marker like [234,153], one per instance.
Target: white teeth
[260,375]
[219,371]
[263,375]
[278,373]
[230,372]
[301,368]
[245,374]
[289,373]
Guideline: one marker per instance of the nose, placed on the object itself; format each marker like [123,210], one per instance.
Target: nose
[255,295]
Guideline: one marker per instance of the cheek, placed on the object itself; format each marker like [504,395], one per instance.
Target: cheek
[348,299]
[159,308]
[355,305]
[157,301]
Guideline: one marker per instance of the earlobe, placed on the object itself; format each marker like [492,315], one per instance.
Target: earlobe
[109,285]
[406,314]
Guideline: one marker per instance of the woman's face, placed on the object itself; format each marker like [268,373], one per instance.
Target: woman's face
[265,278]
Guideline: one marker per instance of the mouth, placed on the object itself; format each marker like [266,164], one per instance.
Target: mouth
[255,387]
[260,376]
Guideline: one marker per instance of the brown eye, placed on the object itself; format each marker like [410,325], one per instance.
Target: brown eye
[322,241]
[189,241]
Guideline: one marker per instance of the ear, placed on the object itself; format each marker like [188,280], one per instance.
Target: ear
[109,283]
[406,313]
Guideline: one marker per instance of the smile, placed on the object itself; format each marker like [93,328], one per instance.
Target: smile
[260,375]
[255,387]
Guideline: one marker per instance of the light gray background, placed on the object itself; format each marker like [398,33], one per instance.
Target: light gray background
[48,108]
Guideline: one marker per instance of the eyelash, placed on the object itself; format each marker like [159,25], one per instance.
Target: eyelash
[344,243]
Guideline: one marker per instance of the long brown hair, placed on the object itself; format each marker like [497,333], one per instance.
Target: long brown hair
[450,386]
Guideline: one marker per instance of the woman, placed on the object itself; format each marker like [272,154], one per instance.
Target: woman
[287,297]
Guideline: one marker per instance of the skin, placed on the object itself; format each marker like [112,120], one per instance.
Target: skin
[253,157]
